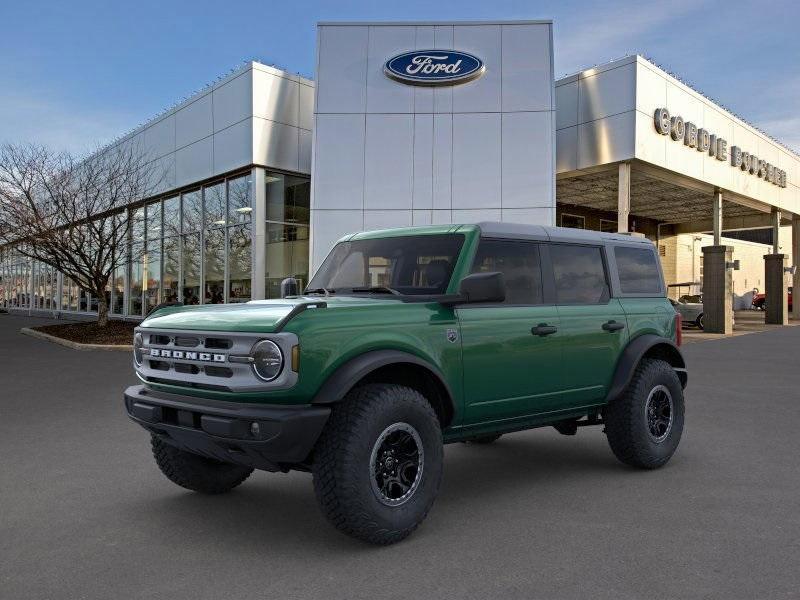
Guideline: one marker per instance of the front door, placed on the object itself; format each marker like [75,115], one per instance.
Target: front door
[511,350]
[593,325]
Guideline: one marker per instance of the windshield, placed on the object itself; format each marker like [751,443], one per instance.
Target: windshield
[408,265]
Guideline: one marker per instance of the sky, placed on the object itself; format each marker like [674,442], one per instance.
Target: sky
[74,75]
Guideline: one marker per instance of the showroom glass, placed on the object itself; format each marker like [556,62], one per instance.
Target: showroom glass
[154,221]
[579,274]
[239,263]
[638,271]
[191,268]
[172,216]
[414,264]
[214,257]
[214,202]
[288,200]
[151,262]
[192,215]
[119,290]
[135,281]
[239,208]
[171,270]
[519,264]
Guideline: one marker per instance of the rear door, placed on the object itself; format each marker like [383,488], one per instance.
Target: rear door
[511,350]
[593,325]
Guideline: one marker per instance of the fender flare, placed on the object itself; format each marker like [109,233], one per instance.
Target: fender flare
[354,370]
[633,354]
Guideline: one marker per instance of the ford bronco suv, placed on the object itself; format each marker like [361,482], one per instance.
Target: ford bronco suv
[405,340]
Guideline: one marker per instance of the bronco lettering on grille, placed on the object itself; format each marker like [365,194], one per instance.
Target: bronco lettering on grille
[201,356]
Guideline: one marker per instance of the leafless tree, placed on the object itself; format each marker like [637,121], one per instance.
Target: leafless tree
[70,213]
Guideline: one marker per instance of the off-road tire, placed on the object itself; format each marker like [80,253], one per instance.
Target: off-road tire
[195,472]
[626,424]
[341,468]
[484,439]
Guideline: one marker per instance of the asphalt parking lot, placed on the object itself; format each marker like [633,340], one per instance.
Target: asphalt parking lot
[85,513]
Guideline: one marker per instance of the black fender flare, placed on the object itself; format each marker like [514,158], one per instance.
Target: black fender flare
[633,354]
[354,370]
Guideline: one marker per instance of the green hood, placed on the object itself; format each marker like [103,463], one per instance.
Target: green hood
[260,316]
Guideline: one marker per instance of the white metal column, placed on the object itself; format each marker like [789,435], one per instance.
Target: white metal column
[624,197]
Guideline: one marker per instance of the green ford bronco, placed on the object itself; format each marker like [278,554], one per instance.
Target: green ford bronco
[405,340]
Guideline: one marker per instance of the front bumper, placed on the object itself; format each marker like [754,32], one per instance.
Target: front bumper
[225,431]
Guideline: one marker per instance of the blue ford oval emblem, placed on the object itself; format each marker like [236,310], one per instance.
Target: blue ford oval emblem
[434,67]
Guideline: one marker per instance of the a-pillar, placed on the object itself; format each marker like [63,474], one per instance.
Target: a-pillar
[796,263]
[623,197]
[717,288]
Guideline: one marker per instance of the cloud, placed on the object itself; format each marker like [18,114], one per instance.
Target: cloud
[39,117]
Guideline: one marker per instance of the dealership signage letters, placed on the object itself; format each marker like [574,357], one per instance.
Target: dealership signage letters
[704,141]
[434,67]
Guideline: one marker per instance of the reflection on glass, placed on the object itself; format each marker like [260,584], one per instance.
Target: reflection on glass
[287,256]
[239,208]
[239,263]
[192,211]
[137,225]
[152,274]
[288,198]
[119,291]
[172,216]
[214,266]
[191,269]
[154,220]
[135,281]
[171,267]
[215,205]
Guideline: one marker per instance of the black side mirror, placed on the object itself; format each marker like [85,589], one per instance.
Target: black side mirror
[289,287]
[483,287]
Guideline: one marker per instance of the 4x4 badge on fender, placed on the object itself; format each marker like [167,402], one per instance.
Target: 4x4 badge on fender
[452,335]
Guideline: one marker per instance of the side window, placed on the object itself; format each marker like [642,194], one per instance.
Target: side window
[519,264]
[638,271]
[580,277]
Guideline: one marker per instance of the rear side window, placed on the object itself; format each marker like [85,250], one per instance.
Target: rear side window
[638,271]
[580,276]
[519,264]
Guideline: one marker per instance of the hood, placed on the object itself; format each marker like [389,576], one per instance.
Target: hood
[258,316]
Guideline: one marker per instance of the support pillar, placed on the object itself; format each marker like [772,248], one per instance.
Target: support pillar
[717,288]
[717,217]
[258,278]
[624,197]
[796,263]
[776,230]
[777,309]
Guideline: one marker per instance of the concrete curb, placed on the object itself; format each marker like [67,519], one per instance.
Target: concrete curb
[74,345]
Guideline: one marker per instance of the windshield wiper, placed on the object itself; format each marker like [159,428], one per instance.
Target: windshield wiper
[320,290]
[377,289]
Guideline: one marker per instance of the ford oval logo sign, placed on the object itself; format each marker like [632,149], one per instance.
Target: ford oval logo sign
[434,67]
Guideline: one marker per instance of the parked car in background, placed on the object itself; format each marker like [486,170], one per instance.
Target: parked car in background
[760,300]
[691,312]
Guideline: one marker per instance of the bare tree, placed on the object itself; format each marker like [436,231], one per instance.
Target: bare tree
[70,213]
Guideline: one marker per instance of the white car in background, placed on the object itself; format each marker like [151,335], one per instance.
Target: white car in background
[690,309]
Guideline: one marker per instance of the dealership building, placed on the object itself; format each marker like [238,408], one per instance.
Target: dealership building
[428,123]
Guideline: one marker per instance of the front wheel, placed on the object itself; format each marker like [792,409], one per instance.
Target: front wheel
[195,472]
[644,424]
[699,321]
[378,463]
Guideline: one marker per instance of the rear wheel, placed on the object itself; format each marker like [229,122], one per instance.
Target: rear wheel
[644,425]
[378,464]
[195,472]
[699,321]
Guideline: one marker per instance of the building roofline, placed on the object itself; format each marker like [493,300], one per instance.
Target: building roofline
[434,23]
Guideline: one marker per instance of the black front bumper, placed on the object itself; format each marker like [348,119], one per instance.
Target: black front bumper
[268,437]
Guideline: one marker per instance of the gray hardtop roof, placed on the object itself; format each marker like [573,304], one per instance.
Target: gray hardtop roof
[556,234]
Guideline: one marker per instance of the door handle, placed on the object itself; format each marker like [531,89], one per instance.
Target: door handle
[543,329]
[612,326]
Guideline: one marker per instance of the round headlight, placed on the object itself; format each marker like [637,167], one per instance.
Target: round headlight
[138,342]
[267,360]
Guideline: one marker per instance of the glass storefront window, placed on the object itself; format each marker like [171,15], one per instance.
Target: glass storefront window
[239,263]
[287,256]
[214,256]
[171,269]
[239,206]
[215,207]
[119,290]
[137,225]
[152,275]
[135,281]
[192,211]
[154,221]
[191,269]
[172,216]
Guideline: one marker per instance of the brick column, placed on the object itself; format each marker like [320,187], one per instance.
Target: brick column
[717,289]
[777,312]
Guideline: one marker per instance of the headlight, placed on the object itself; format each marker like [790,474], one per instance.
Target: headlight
[138,342]
[267,360]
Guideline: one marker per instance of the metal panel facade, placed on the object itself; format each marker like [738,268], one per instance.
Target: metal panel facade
[391,154]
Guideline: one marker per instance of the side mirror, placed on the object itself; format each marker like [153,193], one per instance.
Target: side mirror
[483,287]
[289,287]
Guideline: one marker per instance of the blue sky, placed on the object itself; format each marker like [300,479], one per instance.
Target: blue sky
[75,74]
